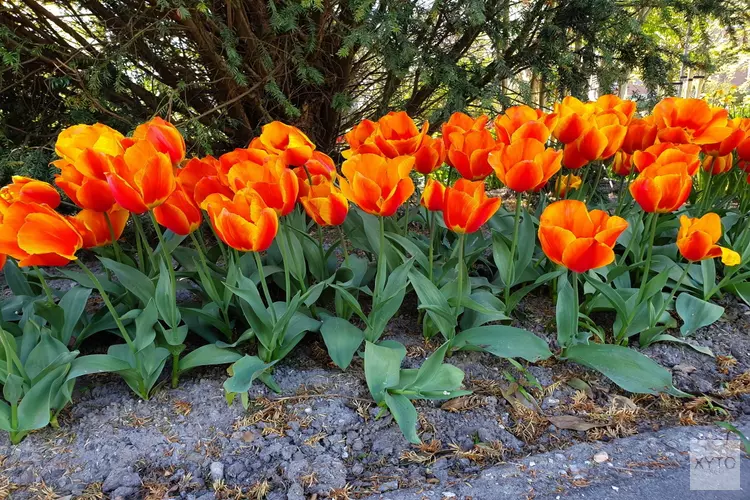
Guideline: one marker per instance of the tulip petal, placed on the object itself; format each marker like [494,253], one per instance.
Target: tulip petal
[125,195]
[43,233]
[554,241]
[587,253]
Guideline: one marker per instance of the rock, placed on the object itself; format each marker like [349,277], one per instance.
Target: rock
[216,472]
[295,492]
[684,368]
[601,457]
[389,486]
[207,496]
[235,469]
[123,493]
[119,478]
[357,469]
[295,469]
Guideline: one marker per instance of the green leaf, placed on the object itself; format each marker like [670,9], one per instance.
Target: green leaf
[430,367]
[74,304]
[731,428]
[16,279]
[429,294]
[208,355]
[352,302]
[405,415]
[482,307]
[96,363]
[382,368]
[34,408]
[132,279]
[342,340]
[742,290]
[144,326]
[244,372]
[613,296]
[411,247]
[504,341]
[53,313]
[165,297]
[626,367]
[566,312]
[708,270]
[670,338]
[696,313]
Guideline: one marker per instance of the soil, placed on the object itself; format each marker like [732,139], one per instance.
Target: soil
[320,437]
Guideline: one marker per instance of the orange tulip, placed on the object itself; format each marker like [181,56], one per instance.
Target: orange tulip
[243,222]
[323,201]
[93,227]
[361,139]
[690,121]
[98,138]
[622,164]
[430,155]
[286,141]
[588,147]
[523,122]
[469,153]
[461,123]
[716,165]
[200,177]
[142,178]
[276,184]
[432,196]
[640,135]
[36,235]
[397,135]
[466,206]
[580,240]
[743,148]
[593,130]
[624,107]
[319,164]
[665,153]
[377,185]
[525,165]
[30,190]
[179,213]
[697,239]
[662,188]
[573,119]
[740,128]
[566,183]
[87,192]
[163,136]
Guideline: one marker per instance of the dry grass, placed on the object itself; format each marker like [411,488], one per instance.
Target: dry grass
[341,493]
[6,487]
[738,385]
[315,438]
[309,479]
[182,408]
[724,363]
[133,420]
[155,491]
[529,424]
[425,453]
[481,453]
[274,416]
[92,492]
[463,403]
[41,491]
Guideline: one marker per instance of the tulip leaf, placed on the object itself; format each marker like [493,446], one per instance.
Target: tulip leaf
[382,368]
[626,367]
[411,247]
[96,363]
[566,312]
[208,355]
[342,340]
[16,279]
[439,310]
[708,270]
[34,408]
[244,371]
[613,296]
[132,279]
[165,297]
[696,313]
[405,414]
[503,341]
[73,303]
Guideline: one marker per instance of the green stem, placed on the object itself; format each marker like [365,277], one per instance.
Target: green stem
[598,179]
[166,256]
[207,270]
[264,285]
[175,370]
[281,238]
[108,304]
[459,269]
[431,256]
[143,247]
[45,286]
[406,218]
[115,244]
[650,250]
[513,246]
[220,243]
[584,178]
[343,244]
[706,197]
[674,292]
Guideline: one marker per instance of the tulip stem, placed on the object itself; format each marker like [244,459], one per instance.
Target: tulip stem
[514,244]
[263,284]
[343,244]
[579,194]
[45,286]
[166,256]
[282,240]
[459,268]
[431,256]
[115,245]
[143,243]
[108,303]
[207,270]
[674,292]
[620,193]
[653,220]
[406,218]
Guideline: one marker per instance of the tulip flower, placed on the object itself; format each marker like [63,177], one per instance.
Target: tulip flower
[430,155]
[98,138]
[361,139]
[397,135]
[88,192]
[163,136]
[716,165]
[461,123]
[662,188]
[93,228]
[256,155]
[433,195]
[566,183]
[466,206]
[624,107]
[179,213]
[743,148]
[690,121]
[640,135]
[286,141]
[665,153]
[525,165]
[244,222]
[523,122]
[469,153]
[323,201]
[622,164]
[319,164]
[276,184]
[740,127]
[599,141]
[697,238]
[580,240]
[30,190]
[142,178]
[201,177]
[377,185]
[36,235]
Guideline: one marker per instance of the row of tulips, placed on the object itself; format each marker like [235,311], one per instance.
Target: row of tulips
[272,276]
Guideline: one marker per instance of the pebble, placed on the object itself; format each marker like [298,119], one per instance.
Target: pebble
[601,457]
[448,494]
[216,472]
[389,486]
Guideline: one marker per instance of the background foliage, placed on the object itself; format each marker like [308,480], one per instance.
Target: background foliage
[221,68]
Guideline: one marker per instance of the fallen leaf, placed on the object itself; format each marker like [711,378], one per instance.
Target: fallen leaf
[573,423]
[580,385]
[623,403]
[684,368]
[601,457]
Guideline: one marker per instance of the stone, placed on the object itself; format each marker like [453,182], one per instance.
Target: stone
[216,472]
[119,478]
